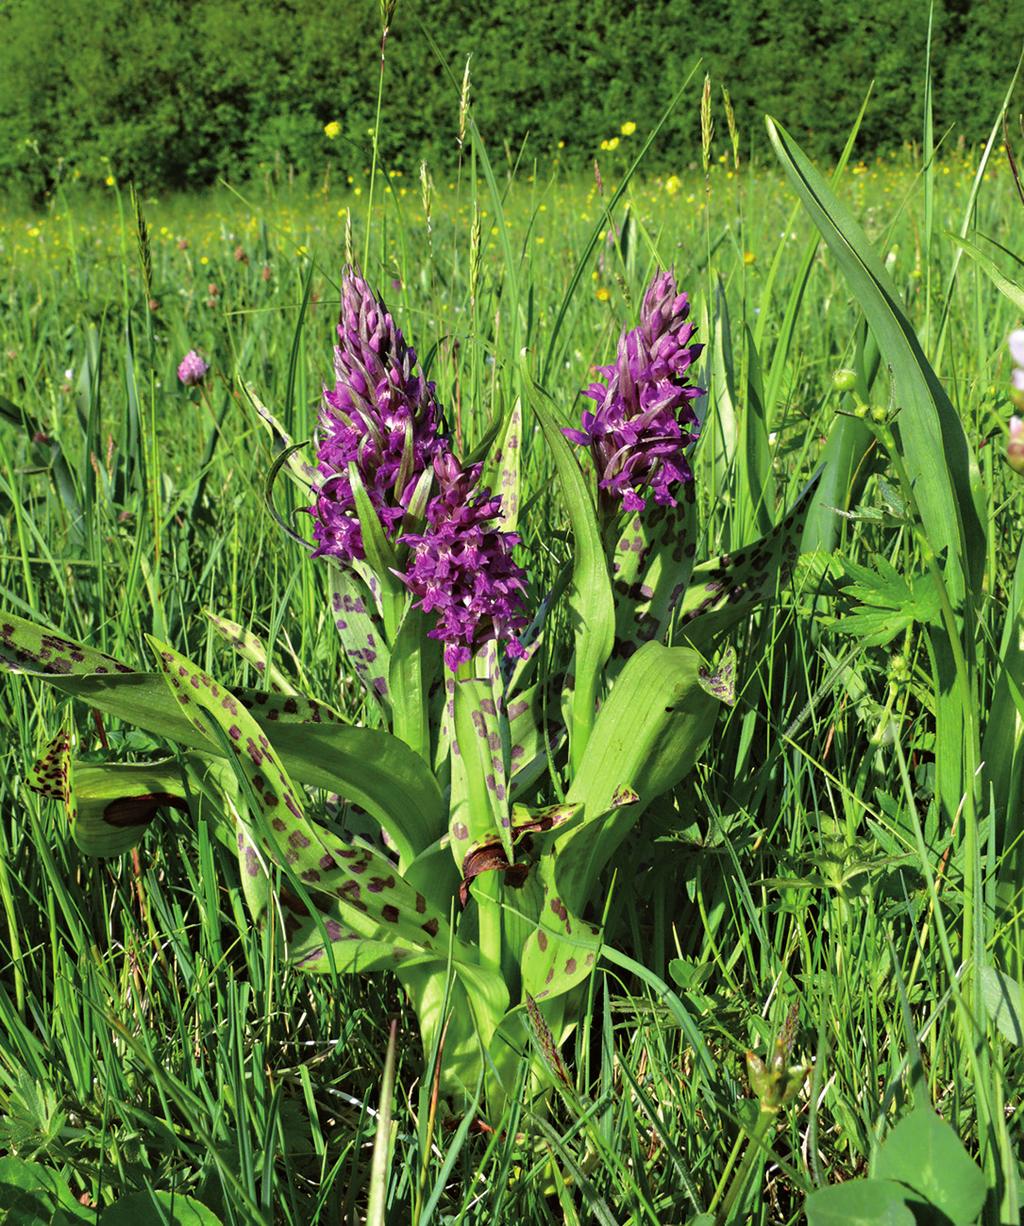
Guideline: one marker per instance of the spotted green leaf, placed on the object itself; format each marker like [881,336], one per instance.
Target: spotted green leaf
[108,807]
[527,754]
[563,950]
[368,766]
[301,471]
[361,637]
[727,588]
[251,648]
[501,472]
[651,566]
[479,800]
[369,884]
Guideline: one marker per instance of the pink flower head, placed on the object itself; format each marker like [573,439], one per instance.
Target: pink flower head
[1015,445]
[461,566]
[382,415]
[644,421]
[192,370]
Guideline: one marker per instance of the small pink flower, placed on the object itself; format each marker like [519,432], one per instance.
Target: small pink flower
[192,370]
[1015,445]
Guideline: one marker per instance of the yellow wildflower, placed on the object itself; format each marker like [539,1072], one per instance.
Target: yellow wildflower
[602,294]
[628,128]
[672,184]
[332,130]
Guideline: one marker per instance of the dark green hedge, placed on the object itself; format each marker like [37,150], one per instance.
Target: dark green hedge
[177,92]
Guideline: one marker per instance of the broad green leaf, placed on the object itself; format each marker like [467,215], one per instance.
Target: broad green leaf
[34,1195]
[563,950]
[725,589]
[590,593]
[469,1012]
[369,767]
[361,637]
[1004,1003]
[251,648]
[415,663]
[935,449]
[925,1154]
[860,1202]
[158,1209]
[647,737]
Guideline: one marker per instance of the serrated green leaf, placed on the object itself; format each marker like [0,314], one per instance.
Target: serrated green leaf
[888,603]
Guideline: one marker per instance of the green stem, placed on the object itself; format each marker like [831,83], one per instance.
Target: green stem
[487,892]
[739,1182]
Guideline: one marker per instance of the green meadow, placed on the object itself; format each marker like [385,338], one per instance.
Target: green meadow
[836,883]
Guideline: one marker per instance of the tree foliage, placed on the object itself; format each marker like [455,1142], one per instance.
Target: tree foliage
[177,92]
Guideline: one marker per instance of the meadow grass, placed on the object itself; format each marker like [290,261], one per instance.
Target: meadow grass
[153,1038]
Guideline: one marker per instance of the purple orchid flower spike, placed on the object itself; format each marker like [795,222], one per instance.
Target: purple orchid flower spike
[382,415]
[644,419]
[461,566]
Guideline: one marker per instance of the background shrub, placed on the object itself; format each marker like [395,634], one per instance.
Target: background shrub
[178,92]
